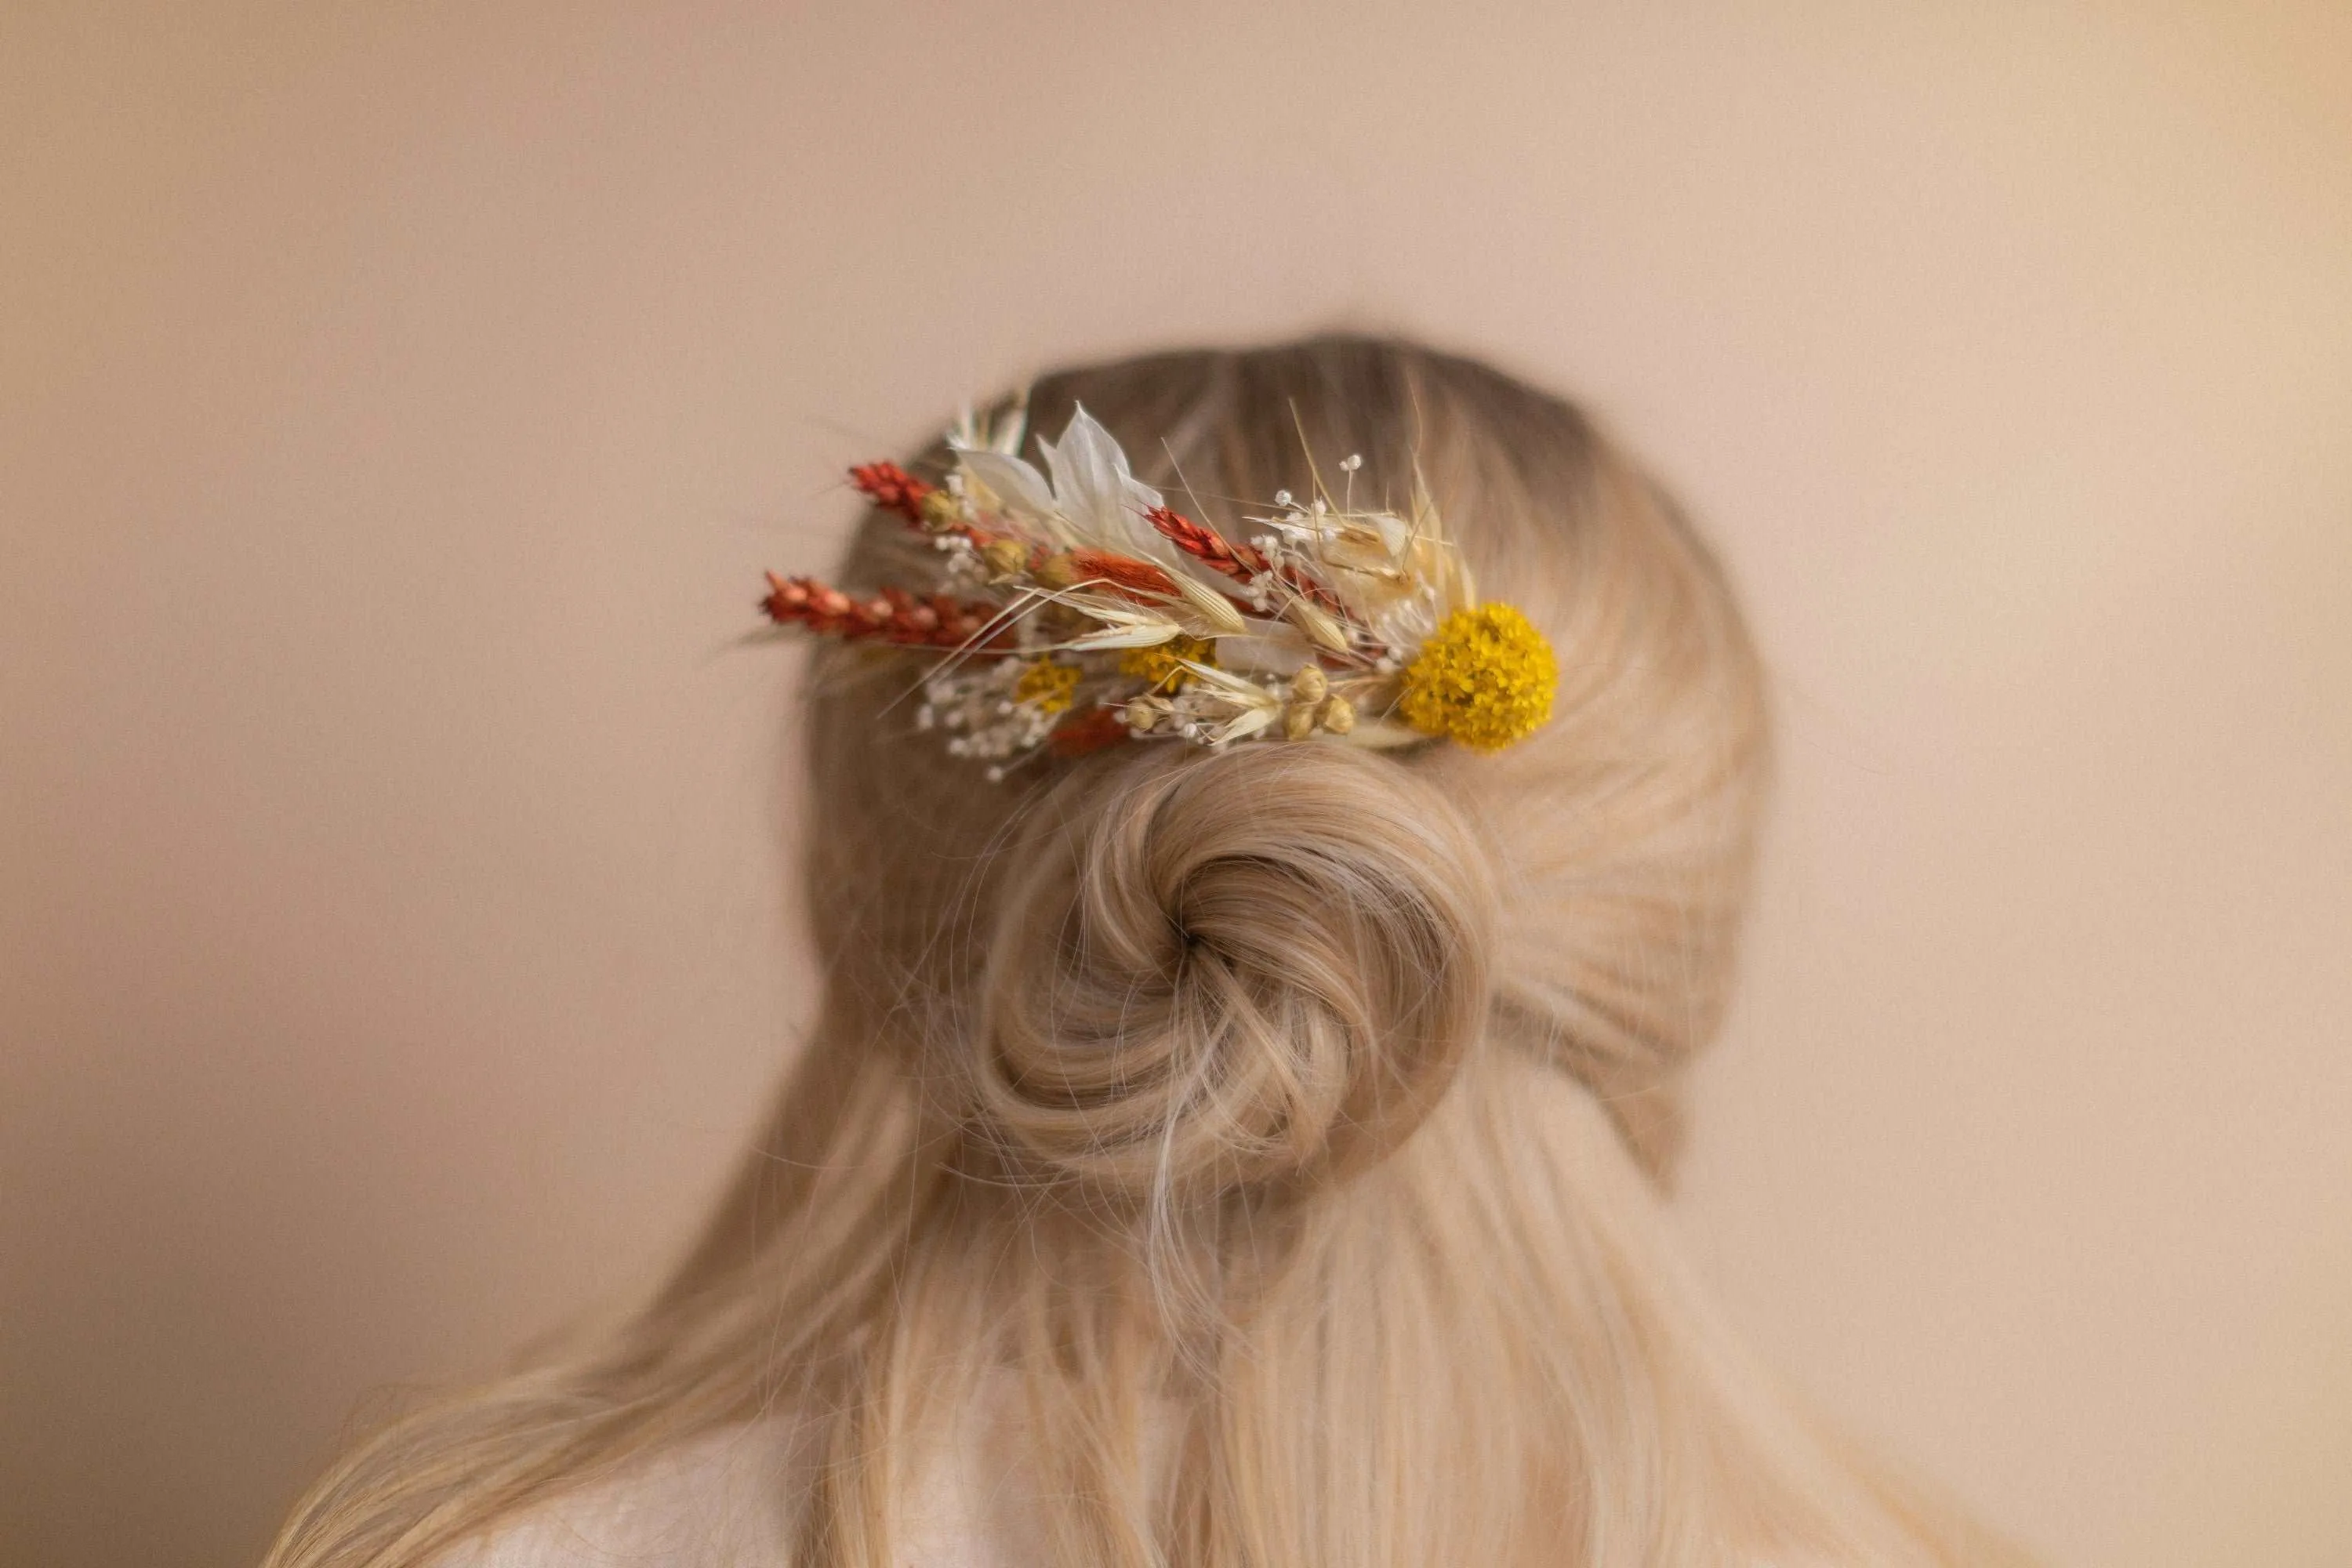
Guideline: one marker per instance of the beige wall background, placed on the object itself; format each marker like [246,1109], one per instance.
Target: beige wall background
[398,403]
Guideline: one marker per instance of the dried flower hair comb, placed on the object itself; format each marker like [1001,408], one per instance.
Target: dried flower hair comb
[1076,610]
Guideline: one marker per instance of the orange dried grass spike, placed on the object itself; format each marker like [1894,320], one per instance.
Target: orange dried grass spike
[1206,545]
[892,616]
[1123,573]
[1242,562]
[892,488]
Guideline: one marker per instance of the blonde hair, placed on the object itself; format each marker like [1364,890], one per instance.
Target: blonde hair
[1319,1097]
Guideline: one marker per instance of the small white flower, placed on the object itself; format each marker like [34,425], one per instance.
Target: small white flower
[1094,498]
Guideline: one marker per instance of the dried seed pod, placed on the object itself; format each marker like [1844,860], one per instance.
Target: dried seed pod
[940,510]
[1005,557]
[1339,714]
[1319,627]
[1059,622]
[1145,714]
[1298,721]
[1056,571]
[1309,685]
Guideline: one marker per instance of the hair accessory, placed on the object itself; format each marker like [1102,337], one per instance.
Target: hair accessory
[1074,609]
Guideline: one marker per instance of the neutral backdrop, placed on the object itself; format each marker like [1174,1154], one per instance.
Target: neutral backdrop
[399,403]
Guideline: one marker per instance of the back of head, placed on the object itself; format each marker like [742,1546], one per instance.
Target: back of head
[1208,968]
[1280,1123]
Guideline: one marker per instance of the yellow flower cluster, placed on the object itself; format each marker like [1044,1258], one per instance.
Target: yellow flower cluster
[1048,687]
[1485,679]
[1159,666]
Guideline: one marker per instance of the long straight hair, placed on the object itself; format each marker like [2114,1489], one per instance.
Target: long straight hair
[1286,1127]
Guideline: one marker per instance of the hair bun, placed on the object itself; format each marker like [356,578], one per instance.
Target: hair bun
[1211,972]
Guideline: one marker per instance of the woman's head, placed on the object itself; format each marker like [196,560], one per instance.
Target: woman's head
[1155,968]
[1274,1123]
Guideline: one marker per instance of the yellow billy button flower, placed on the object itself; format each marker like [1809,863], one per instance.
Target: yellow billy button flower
[1485,679]
[1049,688]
